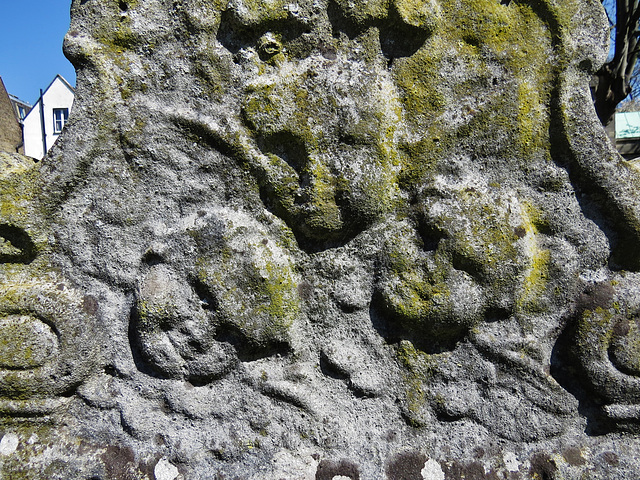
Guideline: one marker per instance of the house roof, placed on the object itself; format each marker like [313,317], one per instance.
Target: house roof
[64,81]
[13,98]
[57,77]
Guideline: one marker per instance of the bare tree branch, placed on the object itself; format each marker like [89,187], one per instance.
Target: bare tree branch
[615,78]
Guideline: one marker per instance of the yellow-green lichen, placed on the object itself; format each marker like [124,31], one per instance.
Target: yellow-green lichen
[26,462]
[479,33]
[595,331]
[420,295]
[535,280]
[625,347]
[24,213]
[418,291]
[421,14]
[536,275]
[362,11]
[25,343]
[283,307]
[419,81]
[254,286]
[416,369]
[117,37]
[307,178]
[419,159]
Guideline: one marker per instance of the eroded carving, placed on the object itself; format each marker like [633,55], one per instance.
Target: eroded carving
[341,229]
[47,329]
[426,166]
[606,347]
[239,304]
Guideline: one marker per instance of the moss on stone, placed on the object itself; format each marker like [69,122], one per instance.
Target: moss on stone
[283,307]
[23,345]
[254,287]
[418,13]
[362,11]
[419,160]
[417,369]
[24,214]
[419,81]
[481,33]
[625,347]
[536,275]
[535,281]
[308,181]
[594,332]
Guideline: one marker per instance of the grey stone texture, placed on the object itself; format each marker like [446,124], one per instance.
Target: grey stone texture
[324,240]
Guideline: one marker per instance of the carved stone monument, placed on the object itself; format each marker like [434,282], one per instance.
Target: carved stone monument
[324,239]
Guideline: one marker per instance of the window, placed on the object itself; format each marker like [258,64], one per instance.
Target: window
[60,116]
[22,112]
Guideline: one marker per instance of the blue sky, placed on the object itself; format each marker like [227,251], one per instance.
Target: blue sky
[31,34]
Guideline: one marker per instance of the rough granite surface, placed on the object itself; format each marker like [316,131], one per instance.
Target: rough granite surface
[328,239]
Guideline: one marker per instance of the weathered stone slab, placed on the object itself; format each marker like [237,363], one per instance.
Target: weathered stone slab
[324,240]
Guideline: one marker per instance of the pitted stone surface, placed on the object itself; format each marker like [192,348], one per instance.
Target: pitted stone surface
[320,240]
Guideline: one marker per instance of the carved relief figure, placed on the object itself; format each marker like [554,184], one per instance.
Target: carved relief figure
[47,326]
[354,134]
[385,196]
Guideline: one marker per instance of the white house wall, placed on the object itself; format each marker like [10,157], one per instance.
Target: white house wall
[58,95]
[32,133]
